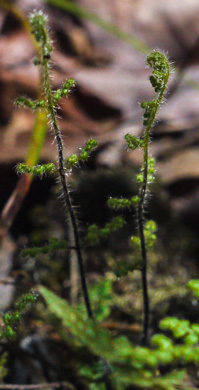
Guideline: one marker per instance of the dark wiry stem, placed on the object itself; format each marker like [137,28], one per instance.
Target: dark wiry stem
[52,114]
[159,81]
[39,29]
[144,268]
[68,203]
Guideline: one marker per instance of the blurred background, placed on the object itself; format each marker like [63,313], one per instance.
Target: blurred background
[111,79]
[103,46]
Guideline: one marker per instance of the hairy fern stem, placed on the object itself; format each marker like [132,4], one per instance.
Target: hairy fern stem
[50,102]
[142,196]
[52,115]
[159,81]
[39,29]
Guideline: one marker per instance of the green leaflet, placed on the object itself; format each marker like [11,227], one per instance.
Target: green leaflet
[87,331]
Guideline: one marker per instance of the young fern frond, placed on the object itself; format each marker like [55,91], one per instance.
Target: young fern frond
[159,79]
[39,29]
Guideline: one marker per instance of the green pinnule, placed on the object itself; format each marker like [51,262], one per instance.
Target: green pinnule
[12,319]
